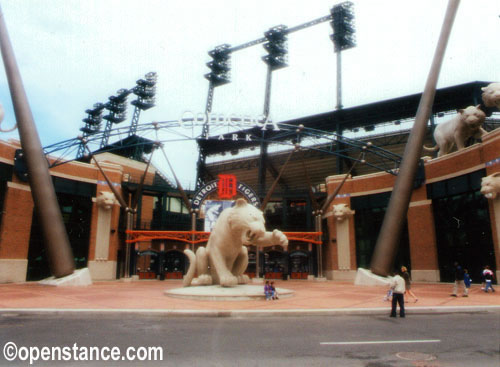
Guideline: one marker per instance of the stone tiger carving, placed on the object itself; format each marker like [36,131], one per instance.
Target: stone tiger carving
[225,258]
[105,200]
[457,130]
[341,212]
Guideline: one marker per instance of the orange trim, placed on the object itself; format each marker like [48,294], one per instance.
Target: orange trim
[195,237]
[183,236]
[309,237]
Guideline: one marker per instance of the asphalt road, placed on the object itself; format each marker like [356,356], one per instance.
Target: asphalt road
[433,340]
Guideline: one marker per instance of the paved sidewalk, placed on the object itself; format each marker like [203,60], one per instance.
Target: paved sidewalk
[311,297]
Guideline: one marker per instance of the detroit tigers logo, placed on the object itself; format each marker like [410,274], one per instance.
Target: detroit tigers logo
[227,186]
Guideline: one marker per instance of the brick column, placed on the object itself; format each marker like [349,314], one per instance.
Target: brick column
[422,236]
[15,233]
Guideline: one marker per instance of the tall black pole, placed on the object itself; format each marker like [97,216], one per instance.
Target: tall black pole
[56,240]
[387,242]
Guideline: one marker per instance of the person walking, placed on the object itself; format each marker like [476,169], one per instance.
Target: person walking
[459,280]
[398,290]
[488,276]
[407,278]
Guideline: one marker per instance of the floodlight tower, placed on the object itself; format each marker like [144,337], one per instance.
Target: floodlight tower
[277,58]
[92,125]
[117,107]
[220,74]
[343,38]
[145,90]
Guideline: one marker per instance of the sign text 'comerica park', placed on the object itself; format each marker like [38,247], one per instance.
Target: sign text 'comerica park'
[190,119]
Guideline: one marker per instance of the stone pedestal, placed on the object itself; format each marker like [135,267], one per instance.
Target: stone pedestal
[343,275]
[102,269]
[217,293]
[13,270]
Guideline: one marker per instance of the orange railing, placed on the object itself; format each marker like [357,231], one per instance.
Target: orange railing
[194,237]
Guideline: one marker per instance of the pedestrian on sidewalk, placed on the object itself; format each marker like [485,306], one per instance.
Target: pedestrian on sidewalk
[459,280]
[488,278]
[398,290]
[407,278]
[274,292]
[267,290]
[467,280]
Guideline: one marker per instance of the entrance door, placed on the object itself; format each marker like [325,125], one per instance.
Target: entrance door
[274,264]
[174,265]
[299,264]
[147,264]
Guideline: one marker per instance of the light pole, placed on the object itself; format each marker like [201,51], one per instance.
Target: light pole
[220,74]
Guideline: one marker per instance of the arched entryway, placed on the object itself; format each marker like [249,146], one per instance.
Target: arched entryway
[274,264]
[299,265]
[147,264]
[174,265]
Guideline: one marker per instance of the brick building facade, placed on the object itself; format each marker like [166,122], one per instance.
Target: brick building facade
[448,219]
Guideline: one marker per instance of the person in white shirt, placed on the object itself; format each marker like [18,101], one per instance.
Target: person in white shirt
[398,290]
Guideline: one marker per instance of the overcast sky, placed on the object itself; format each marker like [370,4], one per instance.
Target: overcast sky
[74,53]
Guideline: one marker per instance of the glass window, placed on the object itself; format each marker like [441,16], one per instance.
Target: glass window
[463,234]
[368,221]
[175,205]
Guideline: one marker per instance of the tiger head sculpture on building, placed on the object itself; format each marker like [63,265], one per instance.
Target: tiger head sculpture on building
[491,95]
[490,186]
[341,212]
[105,200]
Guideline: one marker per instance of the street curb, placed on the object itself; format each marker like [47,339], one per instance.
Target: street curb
[6,312]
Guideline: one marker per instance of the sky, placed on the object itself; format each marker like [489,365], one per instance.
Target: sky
[74,53]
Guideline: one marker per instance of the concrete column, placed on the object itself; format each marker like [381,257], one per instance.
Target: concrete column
[101,267]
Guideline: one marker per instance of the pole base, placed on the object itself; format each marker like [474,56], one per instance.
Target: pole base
[79,278]
[366,277]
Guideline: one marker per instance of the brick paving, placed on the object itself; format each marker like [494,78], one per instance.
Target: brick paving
[309,295]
